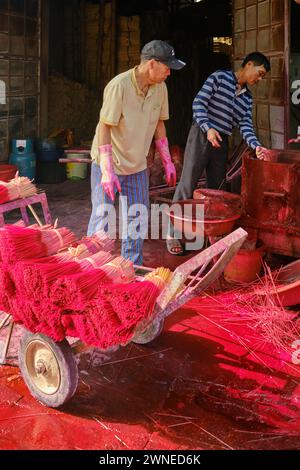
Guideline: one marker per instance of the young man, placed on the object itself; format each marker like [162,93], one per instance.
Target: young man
[224,102]
[135,105]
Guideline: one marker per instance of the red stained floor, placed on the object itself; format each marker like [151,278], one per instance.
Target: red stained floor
[203,384]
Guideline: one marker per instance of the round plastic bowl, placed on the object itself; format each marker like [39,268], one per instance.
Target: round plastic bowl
[7,172]
[218,219]
[229,199]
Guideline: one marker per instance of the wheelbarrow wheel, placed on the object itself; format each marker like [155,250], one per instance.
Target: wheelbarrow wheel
[49,369]
[150,333]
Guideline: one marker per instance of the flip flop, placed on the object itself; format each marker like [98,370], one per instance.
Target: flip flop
[174,247]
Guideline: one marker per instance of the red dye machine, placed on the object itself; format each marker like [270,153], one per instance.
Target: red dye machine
[271,201]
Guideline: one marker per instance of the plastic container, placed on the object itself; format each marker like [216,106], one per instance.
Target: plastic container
[45,144]
[50,172]
[219,217]
[23,157]
[26,163]
[76,171]
[49,155]
[245,266]
[7,172]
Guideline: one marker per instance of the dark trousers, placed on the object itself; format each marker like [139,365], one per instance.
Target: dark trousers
[200,155]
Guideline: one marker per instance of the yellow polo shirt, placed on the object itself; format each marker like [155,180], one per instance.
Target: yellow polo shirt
[133,117]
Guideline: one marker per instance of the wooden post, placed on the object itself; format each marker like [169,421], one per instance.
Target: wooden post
[114,57]
[44,54]
[99,65]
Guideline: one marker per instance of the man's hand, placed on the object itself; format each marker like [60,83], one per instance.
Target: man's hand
[108,183]
[170,174]
[214,138]
[109,180]
[164,152]
[263,154]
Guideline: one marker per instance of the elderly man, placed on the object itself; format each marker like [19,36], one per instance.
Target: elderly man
[224,102]
[135,105]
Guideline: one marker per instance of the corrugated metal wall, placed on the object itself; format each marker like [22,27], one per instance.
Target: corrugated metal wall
[260,25]
[19,70]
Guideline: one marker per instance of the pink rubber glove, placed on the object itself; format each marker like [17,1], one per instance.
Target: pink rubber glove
[263,154]
[109,179]
[164,152]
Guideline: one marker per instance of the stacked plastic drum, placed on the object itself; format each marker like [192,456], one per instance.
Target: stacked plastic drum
[49,170]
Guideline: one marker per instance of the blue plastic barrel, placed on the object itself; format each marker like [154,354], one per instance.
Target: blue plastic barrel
[23,157]
[49,155]
[44,144]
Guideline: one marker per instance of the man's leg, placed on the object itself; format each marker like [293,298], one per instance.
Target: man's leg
[217,166]
[100,203]
[136,188]
[194,163]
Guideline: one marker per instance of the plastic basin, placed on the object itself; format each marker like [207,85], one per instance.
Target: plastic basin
[7,172]
[218,219]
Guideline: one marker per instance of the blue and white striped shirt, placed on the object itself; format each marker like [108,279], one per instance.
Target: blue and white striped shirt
[218,105]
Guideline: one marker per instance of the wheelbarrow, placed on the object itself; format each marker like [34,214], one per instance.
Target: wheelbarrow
[49,368]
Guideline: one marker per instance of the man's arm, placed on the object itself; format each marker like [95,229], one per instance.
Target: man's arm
[162,145]
[104,136]
[200,103]
[200,108]
[247,131]
[109,180]
[248,134]
[160,131]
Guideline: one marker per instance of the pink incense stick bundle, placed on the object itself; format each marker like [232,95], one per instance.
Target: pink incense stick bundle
[38,317]
[17,243]
[133,302]
[95,261]
[34,279]
[73,253]
[75,290]
[20,223]
[48,317]
[7,289]
[119,270]
[17,188]
[23,313]
[99,241]
[99,325]
[4,197]
[56,239]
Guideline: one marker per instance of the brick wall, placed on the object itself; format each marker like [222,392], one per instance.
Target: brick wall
[259,25]
[19,70]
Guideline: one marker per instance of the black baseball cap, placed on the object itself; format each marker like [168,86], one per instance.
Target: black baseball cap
[163,52]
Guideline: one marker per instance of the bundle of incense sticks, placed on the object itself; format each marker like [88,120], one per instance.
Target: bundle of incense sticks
[75,290]
[98,241]
[17,243]
[7,288]
[34,279]
[17,188]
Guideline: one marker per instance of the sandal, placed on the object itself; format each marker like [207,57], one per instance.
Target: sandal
[174,246]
